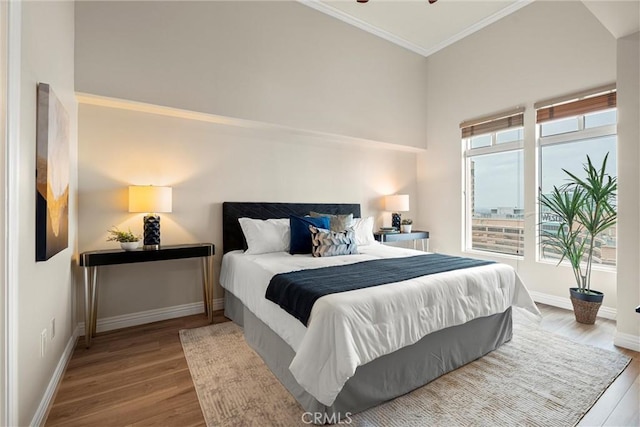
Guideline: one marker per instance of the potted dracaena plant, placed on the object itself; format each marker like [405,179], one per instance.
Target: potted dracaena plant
[584,207]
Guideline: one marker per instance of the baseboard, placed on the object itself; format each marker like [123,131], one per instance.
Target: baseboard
[149,316]
[218,304]
[631,342]
[565,302]
[108,324]
[41,413]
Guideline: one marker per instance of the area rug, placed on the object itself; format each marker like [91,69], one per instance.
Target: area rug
[537,379]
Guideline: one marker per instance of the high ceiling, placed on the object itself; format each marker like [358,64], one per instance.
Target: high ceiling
[426,28]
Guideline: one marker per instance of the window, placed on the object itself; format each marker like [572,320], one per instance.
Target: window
[493,150]
[567,133]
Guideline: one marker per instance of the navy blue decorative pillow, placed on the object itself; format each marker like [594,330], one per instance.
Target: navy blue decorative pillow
[300,234]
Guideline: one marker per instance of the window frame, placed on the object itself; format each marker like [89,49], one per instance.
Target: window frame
[468,154]
[582,134]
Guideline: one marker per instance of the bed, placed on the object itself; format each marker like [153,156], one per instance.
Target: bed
[367,346]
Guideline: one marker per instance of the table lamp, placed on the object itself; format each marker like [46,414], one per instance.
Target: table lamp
[150,200]
[396,203]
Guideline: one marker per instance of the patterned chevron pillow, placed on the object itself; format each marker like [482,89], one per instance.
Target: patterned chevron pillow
[332,243]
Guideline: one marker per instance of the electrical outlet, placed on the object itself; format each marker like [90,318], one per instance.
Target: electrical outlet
[43,342]
[53,329]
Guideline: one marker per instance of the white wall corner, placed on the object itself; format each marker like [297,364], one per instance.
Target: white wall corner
[47,399]
[564,302]
[628,341]
[150,316]
[13,34]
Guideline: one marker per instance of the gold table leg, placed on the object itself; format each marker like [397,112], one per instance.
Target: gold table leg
[94,302]
[207,286]
[90,303]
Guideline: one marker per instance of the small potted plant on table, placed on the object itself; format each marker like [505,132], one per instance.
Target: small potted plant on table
[584,208]
[406,225]
[128,241]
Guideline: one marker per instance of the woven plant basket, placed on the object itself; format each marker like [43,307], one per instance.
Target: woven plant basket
[585,311]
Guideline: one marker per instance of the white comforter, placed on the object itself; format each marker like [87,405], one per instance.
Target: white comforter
[352,328]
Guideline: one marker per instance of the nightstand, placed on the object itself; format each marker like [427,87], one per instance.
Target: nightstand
[94,259]
[404,237]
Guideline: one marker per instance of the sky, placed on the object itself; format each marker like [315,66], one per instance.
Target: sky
[498,177]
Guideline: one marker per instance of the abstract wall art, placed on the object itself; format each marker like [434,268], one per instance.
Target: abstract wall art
[52,175]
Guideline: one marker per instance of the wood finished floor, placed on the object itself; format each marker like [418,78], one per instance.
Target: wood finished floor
[139,377]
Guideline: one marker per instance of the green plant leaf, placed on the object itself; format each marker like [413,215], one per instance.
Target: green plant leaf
[117,235]
[586,207]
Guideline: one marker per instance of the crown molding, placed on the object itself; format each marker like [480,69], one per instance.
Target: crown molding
[519,4]
[363,25]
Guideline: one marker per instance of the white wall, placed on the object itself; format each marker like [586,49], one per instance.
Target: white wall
[306,81]
[628,325]
[544,50]
[285,64]
[45,289]
[275,62]
[207,164]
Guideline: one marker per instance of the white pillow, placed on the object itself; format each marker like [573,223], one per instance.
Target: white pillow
[264,236]
[364,230]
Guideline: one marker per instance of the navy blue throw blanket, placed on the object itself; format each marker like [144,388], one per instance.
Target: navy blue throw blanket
[297,291]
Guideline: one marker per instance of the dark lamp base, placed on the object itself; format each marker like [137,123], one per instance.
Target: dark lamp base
[395,220]
[151,232]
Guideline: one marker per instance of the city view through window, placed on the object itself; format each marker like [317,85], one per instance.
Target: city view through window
[571,156]
[497,202]
[497,189]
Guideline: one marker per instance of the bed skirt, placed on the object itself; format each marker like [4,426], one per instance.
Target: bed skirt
[388,376]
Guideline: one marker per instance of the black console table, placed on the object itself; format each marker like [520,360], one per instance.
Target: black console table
[385,237]
[94,259]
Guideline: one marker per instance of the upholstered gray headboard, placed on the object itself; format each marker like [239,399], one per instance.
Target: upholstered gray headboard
[232,237]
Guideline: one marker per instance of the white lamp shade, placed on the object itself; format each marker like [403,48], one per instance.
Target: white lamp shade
[149,198]
[397,203]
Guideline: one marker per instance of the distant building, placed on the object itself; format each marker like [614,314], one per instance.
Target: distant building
[498,235]
[502,230]
[507,213]
[604,251]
